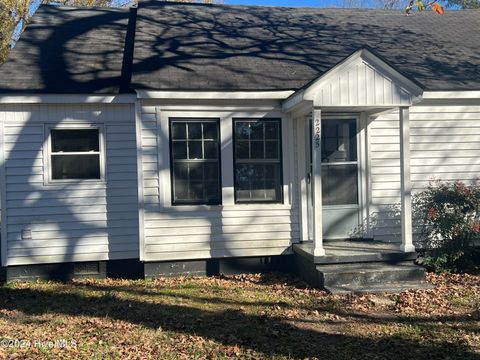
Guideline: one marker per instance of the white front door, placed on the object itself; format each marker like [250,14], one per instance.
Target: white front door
[340,177]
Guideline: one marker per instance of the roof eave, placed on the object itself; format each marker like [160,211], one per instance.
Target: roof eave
[213,95]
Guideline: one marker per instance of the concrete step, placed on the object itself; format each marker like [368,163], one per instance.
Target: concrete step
[393,287]
[390,257]
[355,251]
[369,275]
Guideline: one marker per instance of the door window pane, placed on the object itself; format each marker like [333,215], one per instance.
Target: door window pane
[339,140]
[339,162]
[195,162]
[339,185]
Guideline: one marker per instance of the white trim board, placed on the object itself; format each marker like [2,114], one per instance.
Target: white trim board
[441,95]
[3,199]
[67,99]
[291,97]
[215,95]
[140,182]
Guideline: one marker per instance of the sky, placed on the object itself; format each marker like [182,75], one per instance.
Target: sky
[303,3]
[311,3]
[307,3]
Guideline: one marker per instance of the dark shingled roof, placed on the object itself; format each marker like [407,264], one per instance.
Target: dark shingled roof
[269,48]
[217,47]
[68,50]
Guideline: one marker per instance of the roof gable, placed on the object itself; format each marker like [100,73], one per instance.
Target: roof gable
[362,79]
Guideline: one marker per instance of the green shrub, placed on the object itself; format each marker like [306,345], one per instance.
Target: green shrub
[450,215]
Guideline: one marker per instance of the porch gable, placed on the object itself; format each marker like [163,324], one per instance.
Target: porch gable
[360,80]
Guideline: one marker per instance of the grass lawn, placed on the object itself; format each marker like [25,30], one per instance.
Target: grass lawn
[248,316]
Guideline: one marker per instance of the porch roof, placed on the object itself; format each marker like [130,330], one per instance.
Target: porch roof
[362,80]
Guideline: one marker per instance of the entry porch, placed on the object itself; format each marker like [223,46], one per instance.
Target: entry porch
[333,116]
[354,251]
[359,266]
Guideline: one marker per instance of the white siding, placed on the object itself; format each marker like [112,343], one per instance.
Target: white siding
[445,145]
[196,232]
[360,84]
[74,221]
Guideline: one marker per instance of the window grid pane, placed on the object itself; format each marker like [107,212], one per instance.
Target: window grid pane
[257,161]
[195,162]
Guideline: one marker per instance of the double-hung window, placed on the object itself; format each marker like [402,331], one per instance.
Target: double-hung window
[258,168]
[75,154]
[195,161]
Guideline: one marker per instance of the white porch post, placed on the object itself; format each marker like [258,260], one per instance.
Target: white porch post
[318,249]
[406,190]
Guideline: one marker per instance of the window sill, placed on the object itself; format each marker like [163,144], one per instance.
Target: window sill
[250,203]
[235,207]
[56,183]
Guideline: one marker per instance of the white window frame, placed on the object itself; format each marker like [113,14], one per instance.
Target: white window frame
[48,180]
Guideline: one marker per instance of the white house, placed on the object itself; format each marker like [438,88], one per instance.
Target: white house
[176,135]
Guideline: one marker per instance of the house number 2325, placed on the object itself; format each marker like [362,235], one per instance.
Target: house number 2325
[316,133]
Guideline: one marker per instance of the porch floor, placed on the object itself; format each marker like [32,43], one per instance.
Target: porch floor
[354,251]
